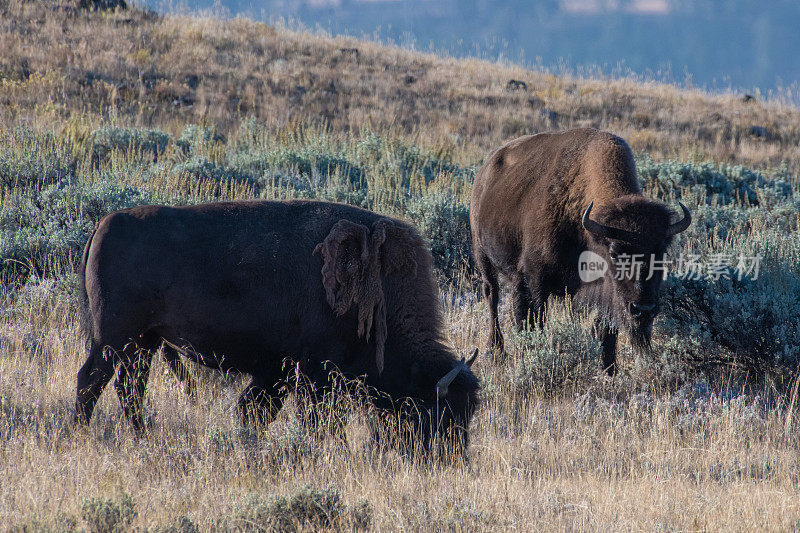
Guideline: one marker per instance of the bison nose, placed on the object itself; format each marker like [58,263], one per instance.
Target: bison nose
[637,310]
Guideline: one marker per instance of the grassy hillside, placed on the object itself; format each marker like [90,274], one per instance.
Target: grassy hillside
[100,111]
[61,65]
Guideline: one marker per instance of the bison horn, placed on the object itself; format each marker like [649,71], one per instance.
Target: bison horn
[608,232]
[680,226]
[443,384]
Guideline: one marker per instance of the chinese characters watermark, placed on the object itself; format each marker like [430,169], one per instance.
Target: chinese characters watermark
[592,266]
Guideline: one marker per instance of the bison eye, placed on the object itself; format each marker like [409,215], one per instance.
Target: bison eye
[613,255]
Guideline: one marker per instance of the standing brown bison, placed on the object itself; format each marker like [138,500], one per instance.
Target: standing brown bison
[244,285]
[542,200]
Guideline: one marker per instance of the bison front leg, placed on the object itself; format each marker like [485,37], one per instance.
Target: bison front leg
[259,404]
[607,335]
[521,301]
[131,383]
[93,377]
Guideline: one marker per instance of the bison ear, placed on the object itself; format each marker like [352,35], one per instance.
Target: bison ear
[351,275]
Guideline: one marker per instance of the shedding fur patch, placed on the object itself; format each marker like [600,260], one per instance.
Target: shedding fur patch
[352,275]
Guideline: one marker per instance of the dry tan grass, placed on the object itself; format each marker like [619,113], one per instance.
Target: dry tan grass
[593,457]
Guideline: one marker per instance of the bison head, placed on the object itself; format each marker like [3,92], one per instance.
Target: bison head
[632,235]
[456,400]
[437,421]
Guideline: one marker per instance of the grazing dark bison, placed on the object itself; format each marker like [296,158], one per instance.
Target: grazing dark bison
[244,285]
[541,201]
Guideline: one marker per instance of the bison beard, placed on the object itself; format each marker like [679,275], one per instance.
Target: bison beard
[611,315]
[640,336]
[243,286]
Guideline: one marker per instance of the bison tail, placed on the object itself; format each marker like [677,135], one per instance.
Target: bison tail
[352,274]
[83,299]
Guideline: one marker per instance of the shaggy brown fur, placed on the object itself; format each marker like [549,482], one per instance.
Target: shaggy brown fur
[243,285]
[526,212]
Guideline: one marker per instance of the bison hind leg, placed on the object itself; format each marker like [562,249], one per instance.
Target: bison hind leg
[491,291]
[172,357]
[93,377]
[259,403]
[131,383]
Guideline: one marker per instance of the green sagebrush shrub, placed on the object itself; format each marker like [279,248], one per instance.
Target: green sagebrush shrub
[445,222]
[29,159]
[195,138]
[754,325]
[717,183]
[43,229]
[562,351]
[181,524]
[306,508]
[199,168]
[109,515]
[405,163]
[142,142]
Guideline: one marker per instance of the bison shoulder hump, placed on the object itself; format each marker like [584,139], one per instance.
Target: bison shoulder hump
[609,142]
[499,159]
[403,249]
